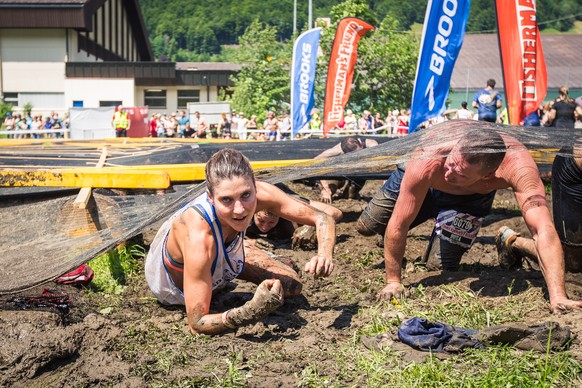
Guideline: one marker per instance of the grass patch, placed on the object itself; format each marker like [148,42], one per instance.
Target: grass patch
[115,268]
[494,366]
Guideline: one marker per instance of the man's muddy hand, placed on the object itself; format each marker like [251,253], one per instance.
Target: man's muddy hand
[319,266]
[564,305]
[392,290]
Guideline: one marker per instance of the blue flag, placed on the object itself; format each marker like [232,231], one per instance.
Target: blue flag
[442,37]
[303,78]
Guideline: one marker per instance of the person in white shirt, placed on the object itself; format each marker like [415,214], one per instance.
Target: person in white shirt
[241,126]
[464,113]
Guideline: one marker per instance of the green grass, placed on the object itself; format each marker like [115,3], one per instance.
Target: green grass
[113,269]
[493,366]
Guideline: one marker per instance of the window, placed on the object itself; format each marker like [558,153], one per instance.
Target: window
[186,96]
[11,98]
[77,104]
[109,103]
[155,98]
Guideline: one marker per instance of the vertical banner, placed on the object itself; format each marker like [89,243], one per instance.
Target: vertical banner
[442,37]
[303,78]
[341,69]
[524,68]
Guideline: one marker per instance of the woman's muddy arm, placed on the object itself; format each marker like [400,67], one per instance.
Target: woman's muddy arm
[196,242]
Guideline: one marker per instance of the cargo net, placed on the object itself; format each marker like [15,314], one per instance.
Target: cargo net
[42,239]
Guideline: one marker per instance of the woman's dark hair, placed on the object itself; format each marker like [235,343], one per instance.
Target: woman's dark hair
[351,144]
[227,164]
[464,104]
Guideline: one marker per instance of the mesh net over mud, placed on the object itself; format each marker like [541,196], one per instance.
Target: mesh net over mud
[44,238]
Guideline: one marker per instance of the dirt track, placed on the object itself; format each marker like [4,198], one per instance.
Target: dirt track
[140,342]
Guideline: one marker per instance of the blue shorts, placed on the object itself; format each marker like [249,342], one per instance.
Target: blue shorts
[378,212]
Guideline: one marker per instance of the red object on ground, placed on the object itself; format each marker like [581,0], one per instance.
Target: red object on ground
[81,276]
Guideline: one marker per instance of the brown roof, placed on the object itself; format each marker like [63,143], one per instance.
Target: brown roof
[479,60]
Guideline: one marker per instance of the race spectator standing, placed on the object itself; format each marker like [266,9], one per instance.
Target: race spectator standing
[153,124]
[271,126]
[363,123]
[35,126]
[182,120]
[121,122]
[160,126]
[464,113]
[315,123]
[379,123]
[351,121]
[171,125]
[392,121]
[487,101]
[224,127]
[201,125]
[284,128]
[9,123]
[252,125]
[402,123]
[241,126]
[564,112]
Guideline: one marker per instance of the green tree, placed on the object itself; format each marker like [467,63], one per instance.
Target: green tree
[385,71]
[263,82]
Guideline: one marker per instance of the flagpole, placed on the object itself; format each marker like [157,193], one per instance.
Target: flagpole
[310,17]
[294,18]
[502,67]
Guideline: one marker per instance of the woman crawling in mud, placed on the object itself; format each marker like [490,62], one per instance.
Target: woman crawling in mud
[201,247]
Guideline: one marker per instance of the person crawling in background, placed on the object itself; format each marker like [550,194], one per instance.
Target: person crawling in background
[349,188]
[201,247]
[271,226]
[567,213]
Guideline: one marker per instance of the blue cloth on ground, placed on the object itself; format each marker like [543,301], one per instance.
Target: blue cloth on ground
[422,334]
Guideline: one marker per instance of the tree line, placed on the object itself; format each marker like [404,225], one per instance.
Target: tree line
[199,30]
[259,36]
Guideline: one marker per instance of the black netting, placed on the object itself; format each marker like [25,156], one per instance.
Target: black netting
[42,238]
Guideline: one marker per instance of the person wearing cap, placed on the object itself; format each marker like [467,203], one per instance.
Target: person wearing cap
[9,123]
[121,122]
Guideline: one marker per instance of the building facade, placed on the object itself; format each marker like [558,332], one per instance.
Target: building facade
[55,55]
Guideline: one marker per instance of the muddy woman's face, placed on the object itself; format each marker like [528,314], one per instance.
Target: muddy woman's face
[235,201]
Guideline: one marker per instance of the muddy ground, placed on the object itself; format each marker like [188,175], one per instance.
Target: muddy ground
[131,340]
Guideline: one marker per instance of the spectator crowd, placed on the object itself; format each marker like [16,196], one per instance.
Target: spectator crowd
[26,121]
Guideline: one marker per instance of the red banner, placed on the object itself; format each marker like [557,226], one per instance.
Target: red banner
[138,116]
[341,69]
[522,57]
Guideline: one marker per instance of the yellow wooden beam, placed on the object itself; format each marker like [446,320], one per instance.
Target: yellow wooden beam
[120,178]
[195,171]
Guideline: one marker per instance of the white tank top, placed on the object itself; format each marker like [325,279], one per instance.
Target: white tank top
[228,263]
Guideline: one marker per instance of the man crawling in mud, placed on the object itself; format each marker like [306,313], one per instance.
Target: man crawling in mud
[201,247]
[453,176]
